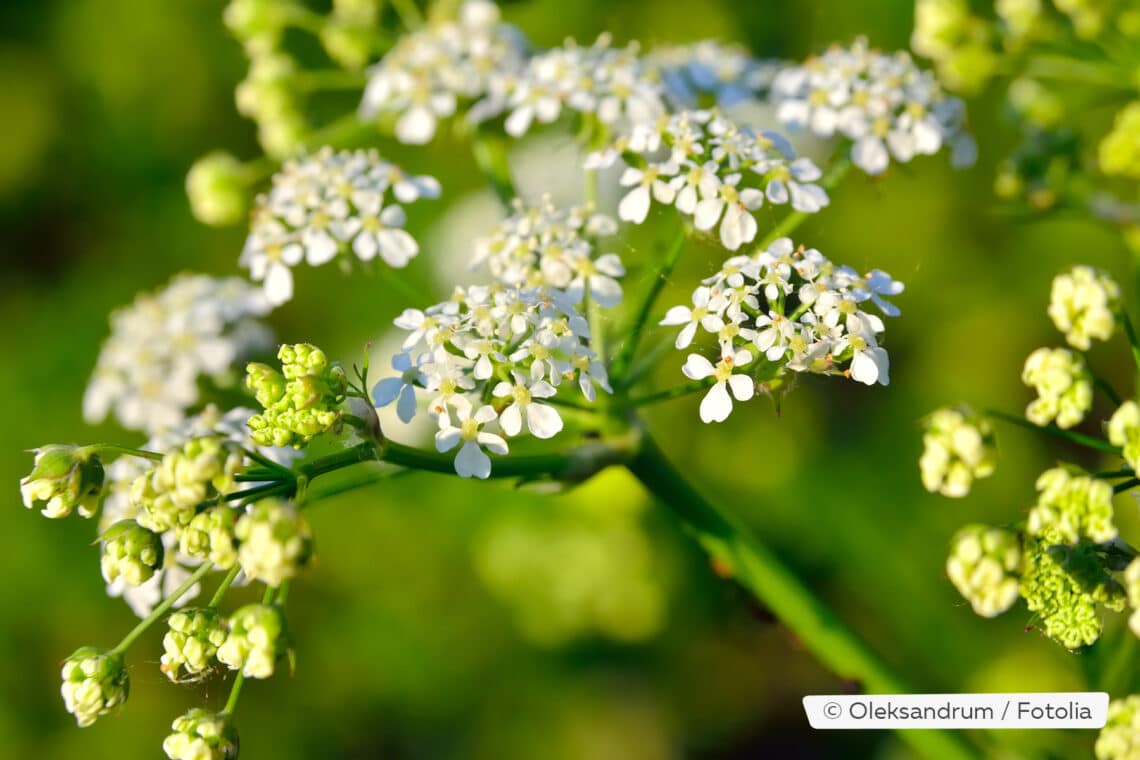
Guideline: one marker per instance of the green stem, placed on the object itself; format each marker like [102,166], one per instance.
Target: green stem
[224,586]
[329,79]
[759,570]
[490,152]
[1109,392]
[789,223]
[1126,485]
[411,293]
[1133,341]
[361,452]
[671,393]
[409,14]
[1077,438]
[621,364]
[235,693]
[154,456]
[162,608]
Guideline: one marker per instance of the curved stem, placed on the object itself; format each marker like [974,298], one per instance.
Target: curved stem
[162,608]
[1078,438]
[759,570]
[235,693]
[224,586]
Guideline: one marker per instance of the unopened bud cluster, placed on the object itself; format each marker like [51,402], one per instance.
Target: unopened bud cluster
[257,639]
[191,643]
[64,479]
[202,735]
[301,402]
[201,470]
[958,448]
[95,682]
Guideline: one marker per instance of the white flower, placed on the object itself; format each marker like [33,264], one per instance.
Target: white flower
[542,420]
[471,460]
[737,226]
[705,312]
[634,207]
[400,389]
[717,403]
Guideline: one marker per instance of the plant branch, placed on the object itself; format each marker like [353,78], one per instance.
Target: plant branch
[1077,438]
[671,393]
[163,607]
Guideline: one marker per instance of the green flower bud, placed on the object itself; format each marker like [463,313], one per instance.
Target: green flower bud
[64,478]
[170,494]
[301,402]
[131,552]
[202,735]
[1072,506]
[95,682]
[210,536]
[349,43]
[275,542]
[1124,431]
[1120,737]
[958,447]
[249,19]
[1082,305]
[216,186]
[1119,151]
[983,565]
[257,639]
[1132,589]
[191,643]
[1064,387]
[1065,586]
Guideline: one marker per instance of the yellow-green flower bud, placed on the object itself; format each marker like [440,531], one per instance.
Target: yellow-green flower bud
[274,542]
[1064,387]
[95,682]
[1120,737]
[202,735]
[958,447]
[64,478]
[1124,431]
[130,552]
[267,384]
[216,186]
[1119,151]
[983,565]
[1082,305]
[170,494]
[1072,506]
[191,643]
[249,19]
[301,402]
[1065,586]
[257,639]
[210,536]
[1132,588]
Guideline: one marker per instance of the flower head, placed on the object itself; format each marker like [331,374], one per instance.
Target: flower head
[1120,737]
[256,640]
[1064,387]
[202,735]
[210,536]
[131,552]
[470,460]
[191,643]
[161,345]
[170,494]
[884,104]
[327,204]
[1072,506]
[958,448]
[274,541]
[300,402]
[1132,589]
[95,682]
[64,478]
[1083,304]
[1124,431]
[983,565]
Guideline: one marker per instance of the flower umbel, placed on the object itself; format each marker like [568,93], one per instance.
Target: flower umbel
[274,541]
[64,478]
[202,735]
[95,682]
[191,643]
[130,552]
[958,448]
[983,565]
[1083,304]
[1064,387]
[257,639]
[301,402]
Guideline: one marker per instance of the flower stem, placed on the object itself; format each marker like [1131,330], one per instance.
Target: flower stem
[760,571]
[1126,485]
[671,393]
[1077,438]
[224,586]
[154,456]
[162,608]
[1133,341]
[793,220]
[621,364]
[1109,392]
[235,693]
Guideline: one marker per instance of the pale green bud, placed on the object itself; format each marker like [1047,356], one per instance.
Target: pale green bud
[958,447]
[216,186]
[130,552]
[202,735]
[275,542]
[267,384]
[210,536]
[1124,431]
[1072,506]
[191,643]
[1120,737]
[301,402]
[1082,305]
[250,19]
[983,565]
[170,494]
[1119,151]
[1064,387]
[1132,588]
[95,682]
[257,639]
[64,478]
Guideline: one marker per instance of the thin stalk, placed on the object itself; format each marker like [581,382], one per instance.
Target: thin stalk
[793,220]
[759,570]
[1077,438]
[235,693]
[162,608]
[409,14]
[224,586]
[362,452]
[153,456]
[1109,392]
[671,393]
[1133,341]
[621,363]
[1126,472]
[1126,485]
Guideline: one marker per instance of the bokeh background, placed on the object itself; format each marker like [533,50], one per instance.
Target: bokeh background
[455,620]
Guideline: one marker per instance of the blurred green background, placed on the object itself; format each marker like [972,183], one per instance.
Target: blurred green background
[452,619]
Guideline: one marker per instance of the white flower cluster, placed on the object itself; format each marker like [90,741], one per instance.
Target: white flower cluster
[544,245]
[984,565]
[1064,387]
[326,203]
[426,75]
[607,83]
[517,345]
[958,448]
[712,170]
[786,309]
[884,103]
[148,369]
[710,73]
[124,471]
[1082,304]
